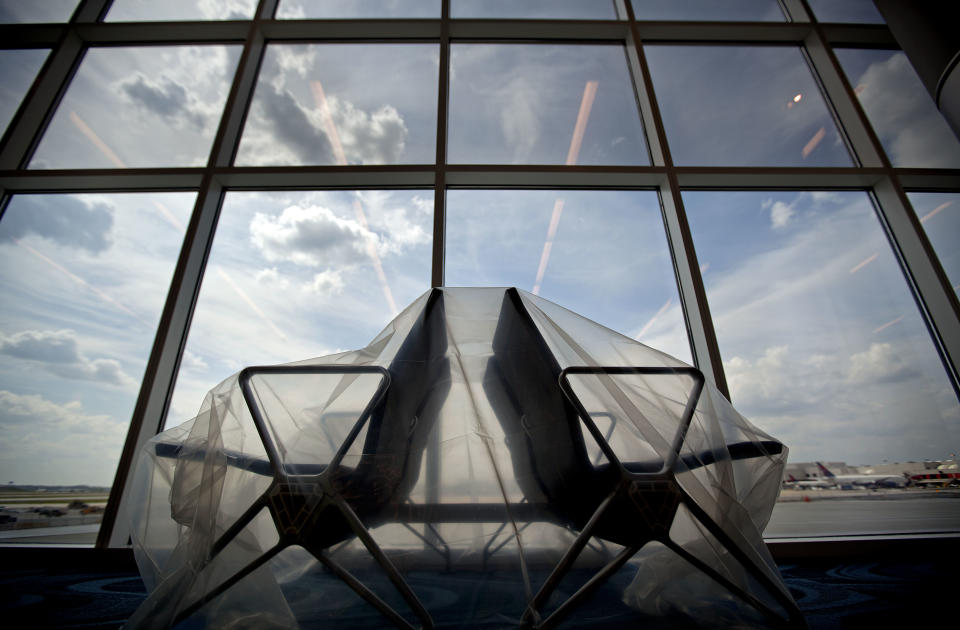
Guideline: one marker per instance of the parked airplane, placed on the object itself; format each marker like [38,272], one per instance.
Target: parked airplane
[871,481]
[802,484]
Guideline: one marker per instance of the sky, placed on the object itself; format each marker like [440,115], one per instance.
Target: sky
[84,278]
[821,340]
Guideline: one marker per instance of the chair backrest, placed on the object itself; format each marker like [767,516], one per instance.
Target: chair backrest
[399,426]
[542,428]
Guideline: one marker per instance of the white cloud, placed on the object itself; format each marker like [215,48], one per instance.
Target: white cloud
[164,97]
[67,220]
[900,108]
[59,353]
[327,283]
[780,214]
[311,236]
[423,206]
[226,9]
[880,363]
[193,362]
[797,331]
[400,230]
[46,442]
[282,130]
[376,137]
[271,277]
[519,117]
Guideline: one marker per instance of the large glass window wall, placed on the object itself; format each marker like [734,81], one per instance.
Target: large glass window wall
[269,181]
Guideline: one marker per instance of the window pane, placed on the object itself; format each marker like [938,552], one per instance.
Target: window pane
[23,11]
[534,9]
[940,216]
[728,10]
[83,280]
[543,104]
[18,68]
[602,254]
[299,275]
[149,10]
[343,104]
[743,106]
[140,107]
[912,131]
[300,9]
[821,340]
[861,11]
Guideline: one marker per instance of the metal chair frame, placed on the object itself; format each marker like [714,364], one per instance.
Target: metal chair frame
[635,483]
[295,500]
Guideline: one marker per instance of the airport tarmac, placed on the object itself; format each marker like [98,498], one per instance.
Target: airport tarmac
[827,513]
[866,515]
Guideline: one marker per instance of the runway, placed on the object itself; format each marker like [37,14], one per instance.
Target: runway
[865,516]
[869,515]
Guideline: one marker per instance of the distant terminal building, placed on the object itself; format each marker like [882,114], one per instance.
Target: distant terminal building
[803,471]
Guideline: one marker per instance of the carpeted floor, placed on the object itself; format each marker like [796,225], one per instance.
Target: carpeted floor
[901,592]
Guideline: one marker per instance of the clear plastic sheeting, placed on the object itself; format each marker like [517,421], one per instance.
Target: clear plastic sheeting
[489,460]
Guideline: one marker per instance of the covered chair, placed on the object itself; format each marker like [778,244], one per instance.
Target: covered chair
[482,427]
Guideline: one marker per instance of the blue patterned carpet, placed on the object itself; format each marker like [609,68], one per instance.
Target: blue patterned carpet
[907,592]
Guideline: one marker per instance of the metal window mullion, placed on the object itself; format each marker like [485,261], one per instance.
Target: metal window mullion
[241,92]
[693,294]
[24,131]
[91,11]
[839,96]
[796,10]
[160,374]
[170,341]
[693,298]
[929,283]
[98,180]
[440,182]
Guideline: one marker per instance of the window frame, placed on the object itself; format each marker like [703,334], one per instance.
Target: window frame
[872,170]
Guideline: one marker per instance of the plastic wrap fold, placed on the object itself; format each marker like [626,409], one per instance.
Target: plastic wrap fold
[489,460]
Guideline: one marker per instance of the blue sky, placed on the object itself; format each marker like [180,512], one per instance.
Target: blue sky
[820,337]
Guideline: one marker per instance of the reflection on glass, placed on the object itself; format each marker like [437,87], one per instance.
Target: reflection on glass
[851,11]
[535,9]
[36,11]
[708,10]
[17,71]
[821,340]
[301,9]
[343,104]
[602,254]
[83,280]
[543,104]
[903,114]
[939,213]
[140,107]
[151,10]
[743,106]
[302,274]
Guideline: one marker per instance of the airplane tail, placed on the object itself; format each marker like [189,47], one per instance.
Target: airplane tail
[824,471]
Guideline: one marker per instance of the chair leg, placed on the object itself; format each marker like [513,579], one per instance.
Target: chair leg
[531,616]
[795,617]
[401,585]
[233,579]
[360,589]
[601,576]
